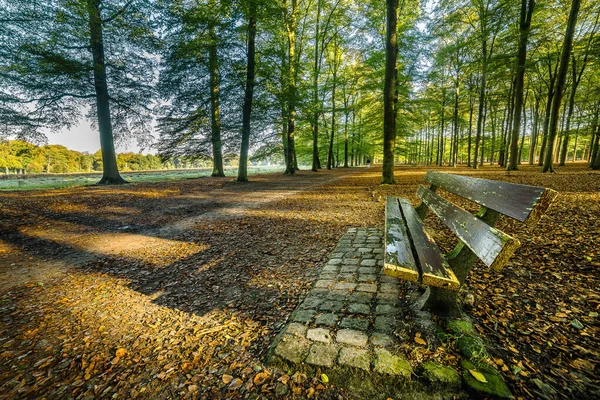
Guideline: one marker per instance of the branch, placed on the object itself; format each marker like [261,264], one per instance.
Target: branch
[118,13]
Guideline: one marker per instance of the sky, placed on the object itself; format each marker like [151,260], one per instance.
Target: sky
[85,139]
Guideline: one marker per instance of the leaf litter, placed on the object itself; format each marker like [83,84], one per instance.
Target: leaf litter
[191,314]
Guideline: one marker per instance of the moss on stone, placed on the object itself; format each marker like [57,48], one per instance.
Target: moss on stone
[471,347]
[441,376]
[460,327]
[494,387]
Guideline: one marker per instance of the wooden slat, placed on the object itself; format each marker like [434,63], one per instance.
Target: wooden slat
[399,260]
[522,202]
[492,246]
[435,270]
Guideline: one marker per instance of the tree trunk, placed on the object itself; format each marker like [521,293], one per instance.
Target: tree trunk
[482,89]
[560,83]
[249,92]
[215,107]
[330,159]
[110,171]
[524,26]
[470,133]
[316,102]
[534,131]
[291,34]
[389,105]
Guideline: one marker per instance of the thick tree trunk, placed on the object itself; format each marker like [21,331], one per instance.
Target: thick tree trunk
[524,26]
[248,95]
[110,171]
[215,107]
[389,100]
[560,83]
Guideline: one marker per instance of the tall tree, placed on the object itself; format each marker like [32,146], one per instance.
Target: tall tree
[249,92]
[560,83]
[77,54]
[389,95]
[527,7]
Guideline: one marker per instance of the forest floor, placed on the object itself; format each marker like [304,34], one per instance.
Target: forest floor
[176,289]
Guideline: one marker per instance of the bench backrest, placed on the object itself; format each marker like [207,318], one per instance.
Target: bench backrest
[522,202]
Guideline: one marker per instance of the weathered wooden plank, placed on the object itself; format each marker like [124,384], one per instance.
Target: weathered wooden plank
[492,246]
[522,202]
[399,260]
[435,270]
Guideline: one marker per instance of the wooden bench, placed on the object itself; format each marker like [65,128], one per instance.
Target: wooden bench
[411,254]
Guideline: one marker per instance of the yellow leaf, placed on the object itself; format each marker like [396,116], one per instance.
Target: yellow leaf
[478,375]
[324,378]
[121,352]
[227,378]
[420,341]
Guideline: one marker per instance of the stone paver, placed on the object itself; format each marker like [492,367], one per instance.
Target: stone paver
[387,363]
[368,263]
[319,335]
[351,336]
[327,319]
[385,324]
[304,315]
[293,349]
[349,316]
[345,286]
[296,329]
[361,297]
[381,339]
[357,358]
[329,305]
[361,324]
[323,355]
[359,308]
[367,287]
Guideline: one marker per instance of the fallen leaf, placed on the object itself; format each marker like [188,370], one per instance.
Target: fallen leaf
[260,378]
[227,378]
[324,378]
[478,375]
[121,352]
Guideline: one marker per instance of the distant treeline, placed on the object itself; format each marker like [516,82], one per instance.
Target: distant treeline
[21,157]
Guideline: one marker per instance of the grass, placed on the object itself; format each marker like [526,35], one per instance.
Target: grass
[57,181]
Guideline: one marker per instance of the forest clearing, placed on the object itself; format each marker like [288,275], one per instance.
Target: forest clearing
[198,308]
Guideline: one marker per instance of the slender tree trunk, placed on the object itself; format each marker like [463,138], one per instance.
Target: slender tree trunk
[482,89]
[522,134]
[389,100]
[249,92]
[534,131]
[524,24]
[562,74]
[470,132]
[316,102]
[454,151]
[215,107]
[110,171]
[291,35]
[330,160]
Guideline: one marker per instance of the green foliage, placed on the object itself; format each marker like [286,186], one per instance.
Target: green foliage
[17,156]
